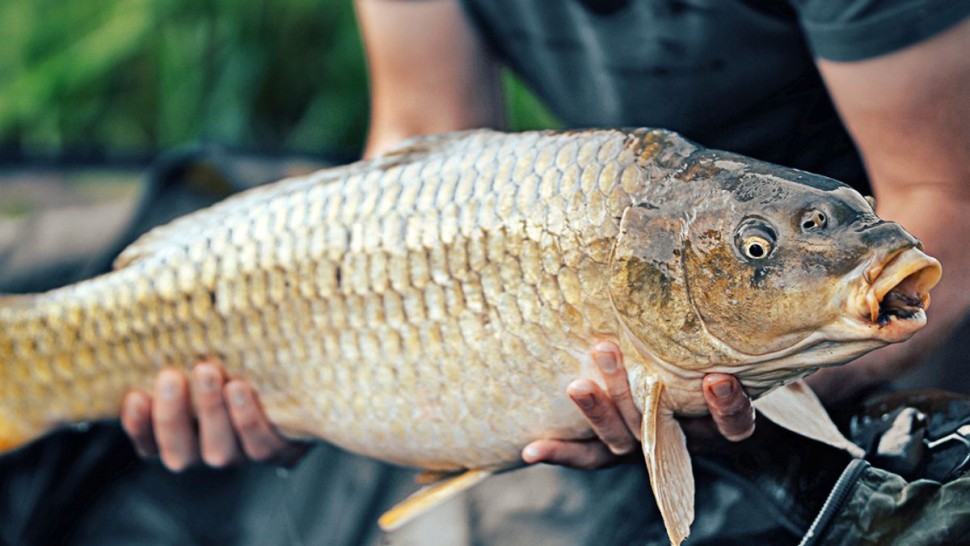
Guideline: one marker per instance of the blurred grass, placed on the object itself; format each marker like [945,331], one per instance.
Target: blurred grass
[126,77]
[15,208]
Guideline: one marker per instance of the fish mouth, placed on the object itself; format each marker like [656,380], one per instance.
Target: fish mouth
[899,292]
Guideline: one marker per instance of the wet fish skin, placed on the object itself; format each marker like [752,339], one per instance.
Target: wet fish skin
[429,307]
[467,272]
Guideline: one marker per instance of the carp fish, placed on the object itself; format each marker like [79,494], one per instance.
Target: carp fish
[429,307]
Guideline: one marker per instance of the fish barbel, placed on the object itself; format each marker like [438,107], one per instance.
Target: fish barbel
[429,307]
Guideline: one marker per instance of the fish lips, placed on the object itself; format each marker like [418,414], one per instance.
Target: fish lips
[896,293]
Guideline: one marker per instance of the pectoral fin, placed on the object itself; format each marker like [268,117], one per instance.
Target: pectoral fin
[430,496]
[796,408]
[668,462]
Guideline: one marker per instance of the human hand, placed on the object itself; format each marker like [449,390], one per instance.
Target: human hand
[229,428]
[616,420]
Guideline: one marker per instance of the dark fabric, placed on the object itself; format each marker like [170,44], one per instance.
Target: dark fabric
[89,489]
[917,434]
[736,75]
[852,30]
[885,509]
[917,491]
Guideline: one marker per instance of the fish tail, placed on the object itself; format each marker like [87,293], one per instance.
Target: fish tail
[13,431]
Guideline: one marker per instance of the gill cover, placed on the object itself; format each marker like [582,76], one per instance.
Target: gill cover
[650,292]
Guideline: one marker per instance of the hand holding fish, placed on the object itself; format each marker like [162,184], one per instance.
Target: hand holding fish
[616,420]
[231,426]
[444,337]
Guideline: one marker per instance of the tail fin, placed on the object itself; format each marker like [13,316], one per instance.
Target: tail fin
[12,434]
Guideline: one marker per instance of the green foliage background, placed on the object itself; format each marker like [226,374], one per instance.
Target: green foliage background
[134,76]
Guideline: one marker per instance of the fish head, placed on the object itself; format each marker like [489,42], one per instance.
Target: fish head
[744,267]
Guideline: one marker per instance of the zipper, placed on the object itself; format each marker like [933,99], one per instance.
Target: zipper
[840,492]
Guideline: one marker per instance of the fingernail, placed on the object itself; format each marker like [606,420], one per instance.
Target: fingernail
[582,395]
[530,453]
[584,401]
[237,396]
[135,412]
[606,361]
[206,382]
[724,389]
[168,387]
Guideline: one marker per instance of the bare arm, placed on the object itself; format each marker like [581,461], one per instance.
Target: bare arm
[429,71]
[909,113]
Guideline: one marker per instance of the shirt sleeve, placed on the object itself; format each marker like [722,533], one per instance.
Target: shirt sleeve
[854,30]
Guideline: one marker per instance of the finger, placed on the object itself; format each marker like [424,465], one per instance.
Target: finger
[217,438]
[730,406]
[172,420]
[259,439]
[609,359]
[574,454]
[136,420]
[602,415]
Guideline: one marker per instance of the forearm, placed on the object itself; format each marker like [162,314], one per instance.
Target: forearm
[909,115]
[429,71]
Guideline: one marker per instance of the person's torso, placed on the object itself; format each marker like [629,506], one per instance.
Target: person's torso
[729,74]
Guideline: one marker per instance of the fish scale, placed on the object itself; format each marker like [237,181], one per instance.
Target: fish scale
[437,270]
[430,306]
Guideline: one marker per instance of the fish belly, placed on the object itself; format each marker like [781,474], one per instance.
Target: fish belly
[427,307]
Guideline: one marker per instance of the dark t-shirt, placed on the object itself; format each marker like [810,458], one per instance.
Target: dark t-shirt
[737,75]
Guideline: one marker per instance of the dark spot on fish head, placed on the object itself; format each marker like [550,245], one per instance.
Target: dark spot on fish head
[889,235]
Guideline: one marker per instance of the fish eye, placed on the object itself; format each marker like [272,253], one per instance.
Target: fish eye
[756,247]
[755,239]
[814,220]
